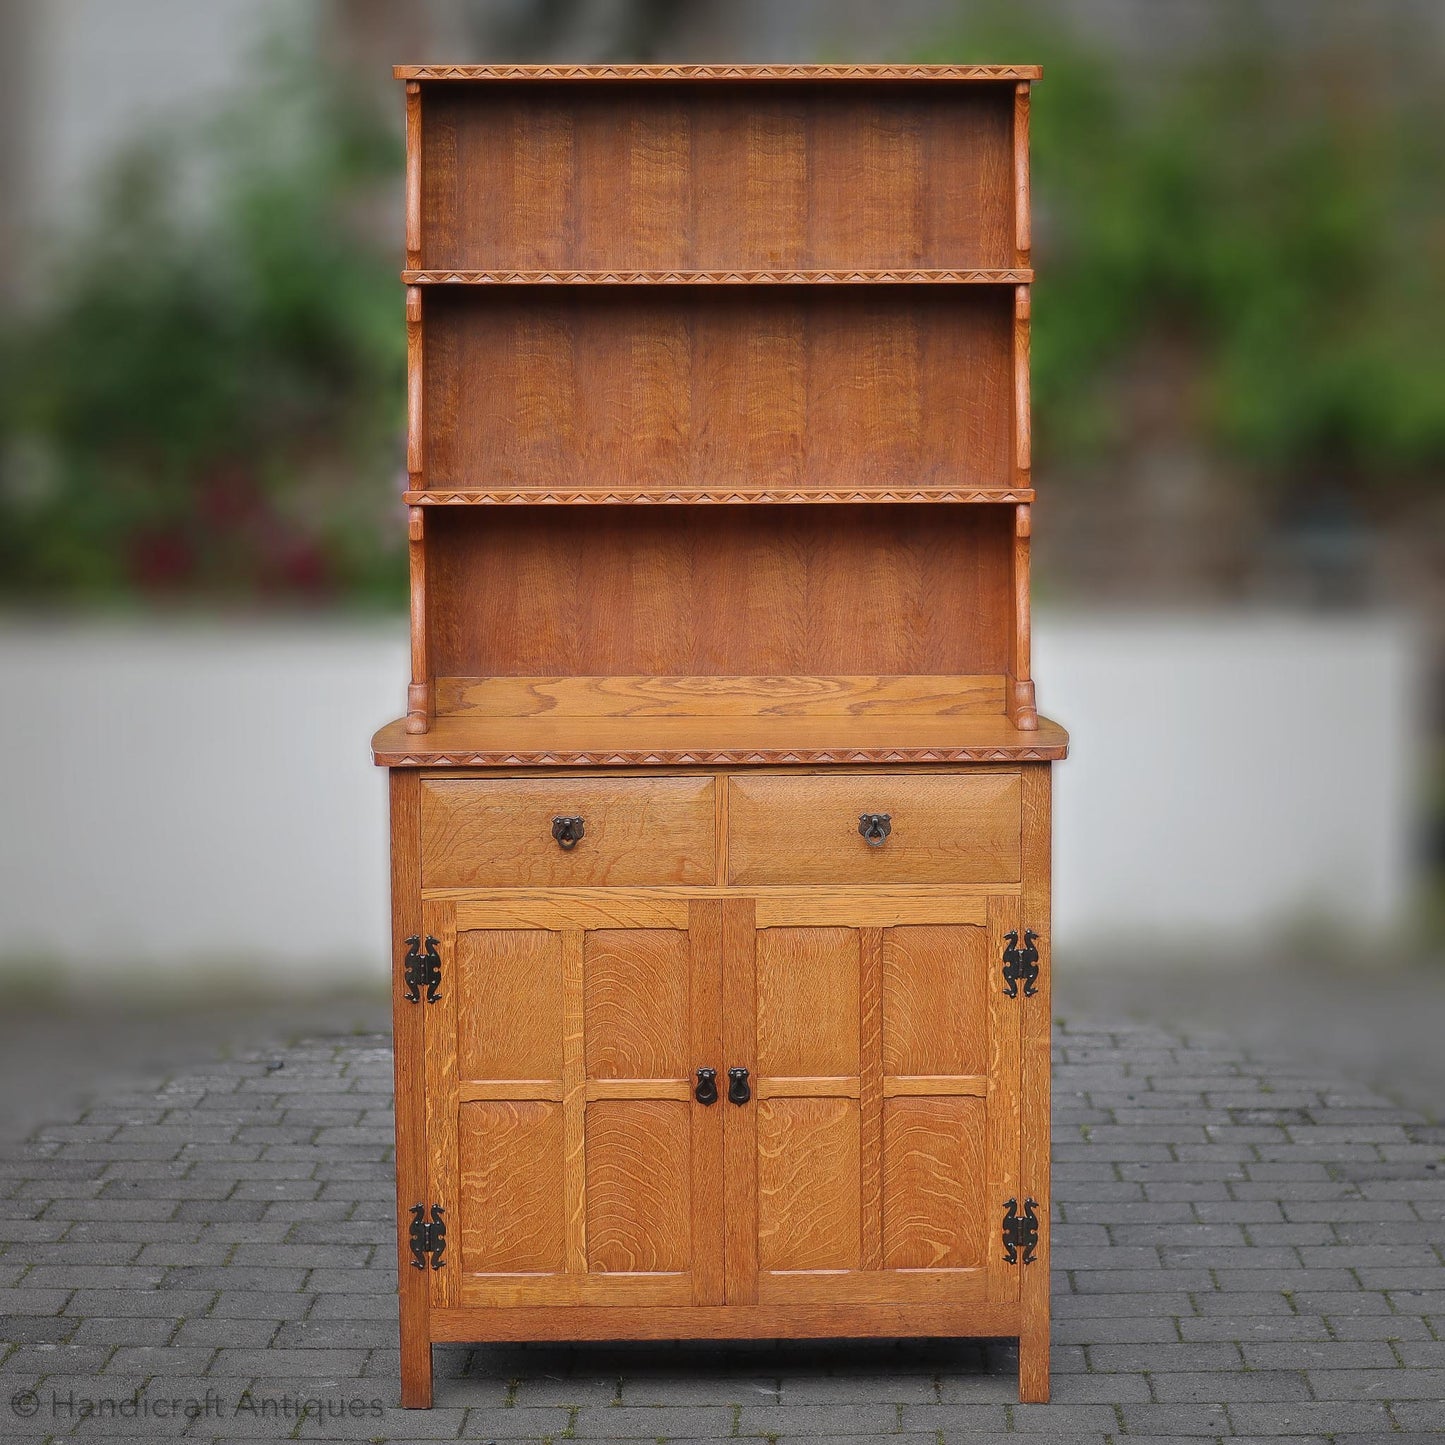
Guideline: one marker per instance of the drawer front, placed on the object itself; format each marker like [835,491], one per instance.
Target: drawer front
[497,833]
[950,828]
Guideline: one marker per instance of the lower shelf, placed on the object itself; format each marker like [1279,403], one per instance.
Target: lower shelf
[473,741]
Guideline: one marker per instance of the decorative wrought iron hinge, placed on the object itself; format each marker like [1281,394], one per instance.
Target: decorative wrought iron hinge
[1020,1231]
[423,970]
[1021,965]
[428,1237]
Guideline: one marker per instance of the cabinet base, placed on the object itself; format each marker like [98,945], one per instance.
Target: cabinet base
[728,1322]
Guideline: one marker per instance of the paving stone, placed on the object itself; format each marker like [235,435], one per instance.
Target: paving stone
[98,1330]
[1304,1417]
[1198,1250]
[1315,1355]
[659,1422]
[1223,1387]
[1173,1420]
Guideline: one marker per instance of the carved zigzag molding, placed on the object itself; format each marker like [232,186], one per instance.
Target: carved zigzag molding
[975,276]
[716,72]
[698,757]
[699,497]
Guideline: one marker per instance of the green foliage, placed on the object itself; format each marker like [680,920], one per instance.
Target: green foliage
[1268,213]
[208,399]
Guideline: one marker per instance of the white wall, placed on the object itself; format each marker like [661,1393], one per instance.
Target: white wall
[200,798]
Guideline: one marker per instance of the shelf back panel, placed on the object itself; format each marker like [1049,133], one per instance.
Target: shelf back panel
[658,177]
[741,591]
[792,388]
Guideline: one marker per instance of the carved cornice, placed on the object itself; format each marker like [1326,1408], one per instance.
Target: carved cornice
[974,277]
[717,72]
[731,759]
[709,496]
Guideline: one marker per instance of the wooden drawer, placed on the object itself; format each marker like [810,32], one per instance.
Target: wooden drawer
[483,832]
[951,828]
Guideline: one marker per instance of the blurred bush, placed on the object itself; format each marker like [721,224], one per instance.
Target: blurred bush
[208,398]
[1266,215]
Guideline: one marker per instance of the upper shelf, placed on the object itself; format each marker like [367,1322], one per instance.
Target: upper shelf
[718,72]
[972,277]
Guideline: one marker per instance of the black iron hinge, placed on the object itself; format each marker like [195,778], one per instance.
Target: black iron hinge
[1021,965]
[1020,1231]
[428,1237]
[423,970]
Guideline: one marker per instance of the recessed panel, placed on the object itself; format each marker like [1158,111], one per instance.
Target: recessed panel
[509,1004]
[936,980]
[636,1003]
[808,1184]
[511,1171]
[808,1002]
[638,1186]
[936,1212]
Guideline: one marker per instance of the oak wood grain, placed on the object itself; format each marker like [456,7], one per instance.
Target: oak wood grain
[409,1053]
[513,1208]
[806,829]
[786,388]
[705,177]
[935,1203]
[637,830]
[710,697]
[1035,1028]
[705,1035]
[639,1179]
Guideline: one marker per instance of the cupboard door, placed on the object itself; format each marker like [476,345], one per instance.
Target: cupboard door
[875,1158]
[562,1125]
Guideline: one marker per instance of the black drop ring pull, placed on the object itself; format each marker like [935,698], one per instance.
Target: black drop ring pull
[738,1091]
[706,1091]
[568,832]
[875,827]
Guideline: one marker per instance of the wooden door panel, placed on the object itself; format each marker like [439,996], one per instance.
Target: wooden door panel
[567,1144]
[636,1003]
[807,1002]
[808,1198]
[509,1004]
[935,1000]
[885,1123]
[638,1187]
[935,1213]
[510,1218]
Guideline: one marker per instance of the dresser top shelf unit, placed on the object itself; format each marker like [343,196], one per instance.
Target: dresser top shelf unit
[718,378]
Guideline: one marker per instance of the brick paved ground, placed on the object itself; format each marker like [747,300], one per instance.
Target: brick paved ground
[1243,1249]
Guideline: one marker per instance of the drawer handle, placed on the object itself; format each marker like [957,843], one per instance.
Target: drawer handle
[875,827]
[738,1091]
[706,1091]
[568,832]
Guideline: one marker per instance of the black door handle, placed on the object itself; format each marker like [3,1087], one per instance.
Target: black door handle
[706,1091]
[738,1091]
[568,832]
[875,827]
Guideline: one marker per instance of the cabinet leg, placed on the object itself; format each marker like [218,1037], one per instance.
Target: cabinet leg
[415,1373]
[1034,1366]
